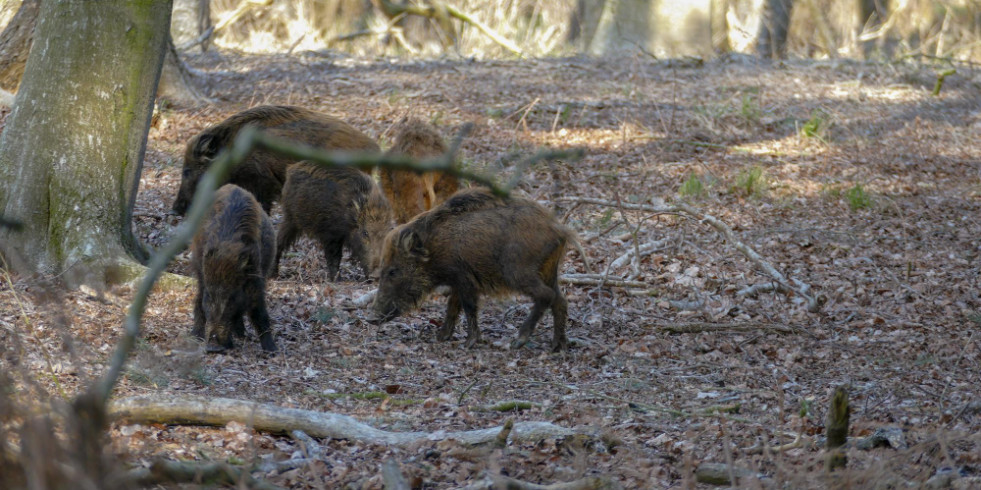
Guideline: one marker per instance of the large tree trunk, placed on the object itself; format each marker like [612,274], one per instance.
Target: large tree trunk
[15,44]
[72,150]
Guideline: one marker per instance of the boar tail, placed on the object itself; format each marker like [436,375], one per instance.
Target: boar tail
[573,238]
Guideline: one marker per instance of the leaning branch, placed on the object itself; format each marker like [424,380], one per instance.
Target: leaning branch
[197,410]
[247,140]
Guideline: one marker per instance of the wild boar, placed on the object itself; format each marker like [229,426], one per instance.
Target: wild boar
[231,256]
[263,173]
[337,207]
[411,193]
[476,243]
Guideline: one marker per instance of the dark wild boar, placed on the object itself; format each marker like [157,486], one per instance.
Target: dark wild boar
[231,255]
[337,207]
[263,173]
[411,193]
[476,243]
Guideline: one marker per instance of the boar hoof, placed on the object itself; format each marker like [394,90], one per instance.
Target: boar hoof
[216,349]
[472,341]
[444,335]
[521,342]
[560,345]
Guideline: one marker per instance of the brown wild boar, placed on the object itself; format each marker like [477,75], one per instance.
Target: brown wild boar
[411,193]
[476,243]
[263,173]
[231,255]
[337,207]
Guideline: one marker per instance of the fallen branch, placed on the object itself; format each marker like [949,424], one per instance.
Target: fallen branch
[500,481]
[699,327]
[798,442]
[197,410]
[814,303]
[644,250]
[600,280]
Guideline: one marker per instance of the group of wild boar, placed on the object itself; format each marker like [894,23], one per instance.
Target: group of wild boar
[412,232]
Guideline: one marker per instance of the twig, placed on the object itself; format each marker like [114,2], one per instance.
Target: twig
[643,250]
[198,410]
[699,327]
[585,280]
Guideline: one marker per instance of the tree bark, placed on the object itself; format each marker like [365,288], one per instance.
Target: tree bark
[15,44]
[72,151]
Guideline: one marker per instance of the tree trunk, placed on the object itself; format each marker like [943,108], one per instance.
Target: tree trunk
[772,39]
[191,19]
[72,150]
[15,44]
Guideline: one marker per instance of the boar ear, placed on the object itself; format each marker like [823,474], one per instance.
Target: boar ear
[411,243]
[206,146]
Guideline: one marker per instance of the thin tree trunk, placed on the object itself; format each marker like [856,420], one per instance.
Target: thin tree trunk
[72,150]
[771,41]
[15,44]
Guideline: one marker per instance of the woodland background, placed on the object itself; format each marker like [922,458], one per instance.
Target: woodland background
[848,161]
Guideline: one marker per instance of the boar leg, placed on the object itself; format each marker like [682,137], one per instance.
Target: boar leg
[544,297]
[285,238]
[333,250]
[560,312]
[469,304]
[449,323]
[199,320]
[260,321]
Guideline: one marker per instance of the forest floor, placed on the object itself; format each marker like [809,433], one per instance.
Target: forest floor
[848,177]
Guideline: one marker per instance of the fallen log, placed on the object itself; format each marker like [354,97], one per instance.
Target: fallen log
[264,417]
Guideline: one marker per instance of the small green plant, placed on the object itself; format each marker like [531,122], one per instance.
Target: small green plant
[857,198]
[815,127]
[750,108]
[693,187]
[805,407]
[752,182]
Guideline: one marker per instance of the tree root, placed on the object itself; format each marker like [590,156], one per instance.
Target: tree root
[198,410]
[163,471]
